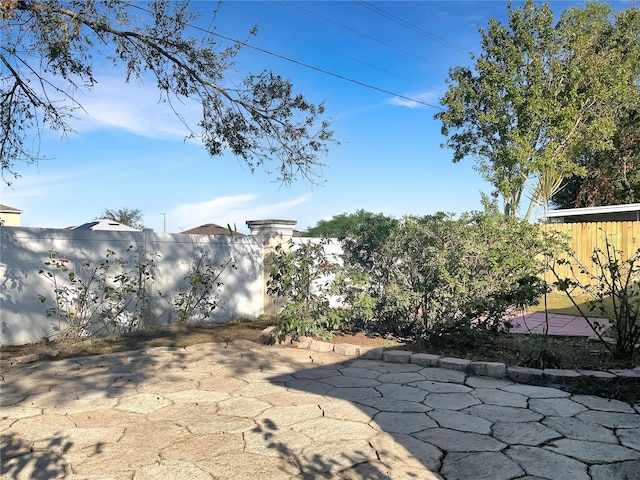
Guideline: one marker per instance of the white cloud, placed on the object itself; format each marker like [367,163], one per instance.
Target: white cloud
[133,107]
[430,97]
[229,210]
[36,184]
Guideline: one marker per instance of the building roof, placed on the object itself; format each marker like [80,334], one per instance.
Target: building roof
[210,229]
[8,209]
[609,213]
[105,224]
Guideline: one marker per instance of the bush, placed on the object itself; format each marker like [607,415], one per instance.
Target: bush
[301,277]
[97,298]
[443,278]
[114,295]
[199,296]
[614,291]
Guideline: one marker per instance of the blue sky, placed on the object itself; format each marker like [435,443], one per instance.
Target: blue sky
[128,150]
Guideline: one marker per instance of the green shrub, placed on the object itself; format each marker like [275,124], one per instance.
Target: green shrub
[444,278]
[614,291]
[539,353]
[114,294]
[301,278]
[199,296]
[104,297]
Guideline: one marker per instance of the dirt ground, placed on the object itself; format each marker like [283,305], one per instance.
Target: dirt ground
[515,349]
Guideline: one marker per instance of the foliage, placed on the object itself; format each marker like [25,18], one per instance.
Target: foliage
[365,236]
[612,177]
[540,353]
[447,278]
[612,279]
[612,174]
[301,276]
[199,299]
[132,217]
[100,298]
[340,226]
[75,302]
[543,95]
[115,295]
[48,53]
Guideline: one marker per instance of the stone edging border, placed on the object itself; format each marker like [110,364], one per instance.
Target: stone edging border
[574,381]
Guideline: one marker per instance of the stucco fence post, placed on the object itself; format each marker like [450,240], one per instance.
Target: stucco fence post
[273,233]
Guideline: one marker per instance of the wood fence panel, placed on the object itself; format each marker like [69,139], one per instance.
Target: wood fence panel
[583,238]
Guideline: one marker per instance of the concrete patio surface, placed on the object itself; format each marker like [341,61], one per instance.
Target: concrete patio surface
[535,322]
[247,411]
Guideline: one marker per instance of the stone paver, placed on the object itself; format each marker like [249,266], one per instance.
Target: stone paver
[461,421]
[527,433]
[403,422]
[428,455]
[498,413]
[591,452]
[443,375]
[542,463]
[451,401]
[248,411]
[620,471]
[610,419]
[579,430]
[604,404]
[556,407]
[483,465]
[456,441]
[532,391]
[498,397]
[629,437]
[441,387]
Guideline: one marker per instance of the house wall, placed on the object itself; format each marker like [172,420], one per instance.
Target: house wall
[10,219]
[24,251]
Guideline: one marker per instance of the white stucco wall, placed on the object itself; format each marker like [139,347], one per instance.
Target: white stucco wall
[24,250]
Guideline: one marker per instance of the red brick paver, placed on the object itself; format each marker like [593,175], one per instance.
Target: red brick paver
[558,324]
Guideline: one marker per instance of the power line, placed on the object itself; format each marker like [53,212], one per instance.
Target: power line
[327,72]
[346,27]
[411,26]
[302,64]
[341,54]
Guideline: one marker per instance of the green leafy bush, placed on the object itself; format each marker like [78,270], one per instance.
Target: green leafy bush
[199,296]
[115,295]
[444,278]
[97,298]
[301,278]
[614,292]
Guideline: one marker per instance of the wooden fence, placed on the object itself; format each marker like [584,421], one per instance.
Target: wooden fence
[583,238]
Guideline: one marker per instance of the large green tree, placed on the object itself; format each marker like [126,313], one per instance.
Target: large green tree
[361,233]
[131,217]
[612,177]
[542,94]
[343,224]
[48,52]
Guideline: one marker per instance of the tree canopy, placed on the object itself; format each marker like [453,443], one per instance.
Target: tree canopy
[361,233]
[49,50]
[543,96]
[131,217]
[344,224]
[613,177]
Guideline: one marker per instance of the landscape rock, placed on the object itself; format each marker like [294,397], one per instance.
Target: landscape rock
[396,356]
